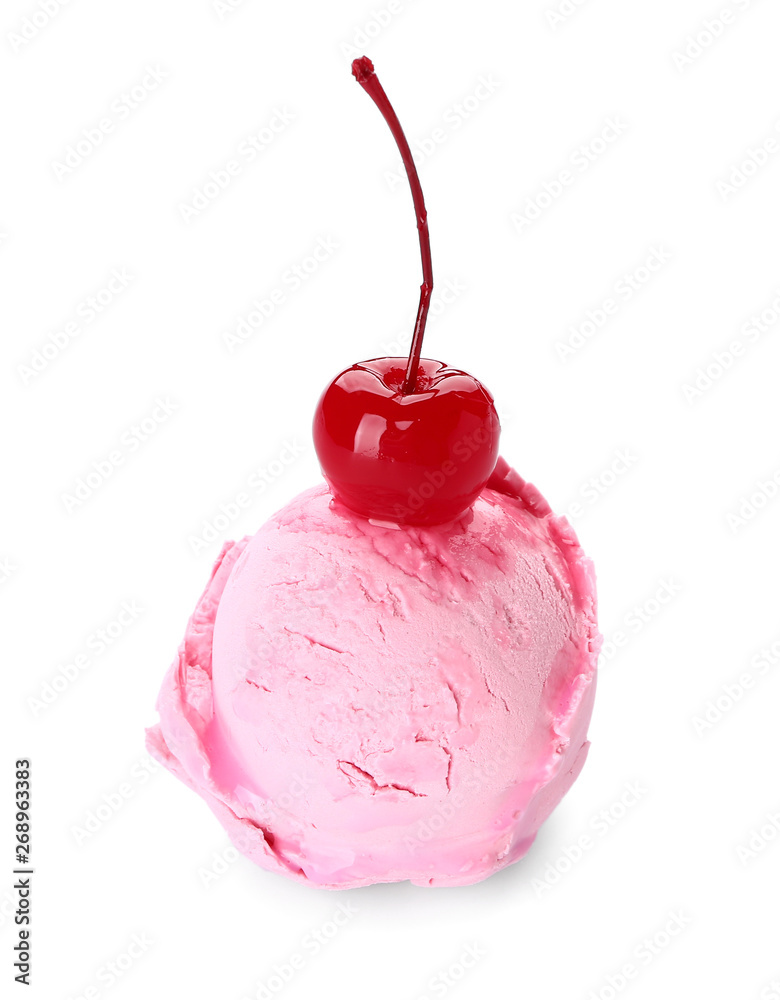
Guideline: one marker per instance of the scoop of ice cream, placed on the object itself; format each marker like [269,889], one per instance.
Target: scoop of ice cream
[364,703]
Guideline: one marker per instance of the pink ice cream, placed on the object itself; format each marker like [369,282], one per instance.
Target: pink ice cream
[363,703]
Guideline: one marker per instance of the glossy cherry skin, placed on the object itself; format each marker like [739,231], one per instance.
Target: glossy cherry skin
[420,458]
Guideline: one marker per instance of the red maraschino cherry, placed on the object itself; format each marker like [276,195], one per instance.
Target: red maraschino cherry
[409,441]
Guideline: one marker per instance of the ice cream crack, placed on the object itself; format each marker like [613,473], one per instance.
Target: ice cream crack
[362,779]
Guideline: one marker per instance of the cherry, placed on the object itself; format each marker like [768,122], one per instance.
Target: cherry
[410,441]
[413,458]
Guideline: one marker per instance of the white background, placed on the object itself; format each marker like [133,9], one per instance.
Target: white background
[698,840]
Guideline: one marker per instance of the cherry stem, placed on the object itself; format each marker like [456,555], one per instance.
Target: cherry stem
[363,71]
